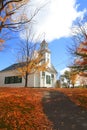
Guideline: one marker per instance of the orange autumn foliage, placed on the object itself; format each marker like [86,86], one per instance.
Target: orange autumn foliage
[21,108]
[77,95]
[7,9]
[73,77]
[80,63]
[32,66]
[1,43]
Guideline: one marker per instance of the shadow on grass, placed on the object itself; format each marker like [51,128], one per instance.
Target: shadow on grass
[63,113]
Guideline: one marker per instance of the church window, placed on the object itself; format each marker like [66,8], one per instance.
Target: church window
[48,57]
[43,73]
[52,76]
[48,80]
[13,79]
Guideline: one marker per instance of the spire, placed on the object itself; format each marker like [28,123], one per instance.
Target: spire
[44,45]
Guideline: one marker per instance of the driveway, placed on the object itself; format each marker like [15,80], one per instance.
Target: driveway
[63,113]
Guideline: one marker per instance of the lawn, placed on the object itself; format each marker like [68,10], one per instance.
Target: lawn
[21,108]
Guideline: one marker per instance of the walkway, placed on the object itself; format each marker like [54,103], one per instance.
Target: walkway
[63,113]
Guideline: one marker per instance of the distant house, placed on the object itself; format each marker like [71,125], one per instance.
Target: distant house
[9,77]
[81,81]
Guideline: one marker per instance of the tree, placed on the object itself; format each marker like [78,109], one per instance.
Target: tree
[80,63]
[65,78]
[7,9]
[68,79]
[73,77]
[30,59]
[79,52]
[13,16]
[58,84]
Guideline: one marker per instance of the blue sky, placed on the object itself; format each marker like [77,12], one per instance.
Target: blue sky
[55,20]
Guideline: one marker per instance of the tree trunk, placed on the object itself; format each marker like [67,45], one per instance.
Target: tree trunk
[26,79]
[73,85]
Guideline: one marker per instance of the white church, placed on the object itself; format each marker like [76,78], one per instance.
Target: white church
[8,77]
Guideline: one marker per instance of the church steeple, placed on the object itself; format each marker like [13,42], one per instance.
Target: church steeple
[44,46]
[46,52]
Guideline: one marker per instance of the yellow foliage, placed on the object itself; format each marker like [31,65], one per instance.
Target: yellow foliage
[10,6]
[1,40]
[73,77]
[7,9]
[33,66]
[1,19]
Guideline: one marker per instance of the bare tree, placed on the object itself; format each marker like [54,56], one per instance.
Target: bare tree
[29,57]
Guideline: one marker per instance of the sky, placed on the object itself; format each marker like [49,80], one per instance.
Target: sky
[52,23]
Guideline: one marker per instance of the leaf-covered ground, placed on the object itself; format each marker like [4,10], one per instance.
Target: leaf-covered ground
[22,108]
[77,95]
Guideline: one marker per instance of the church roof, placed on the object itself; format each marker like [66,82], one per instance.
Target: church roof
[14,66]
[43,48]
[52,69]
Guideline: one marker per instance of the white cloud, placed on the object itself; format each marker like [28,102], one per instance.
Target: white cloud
[65,69]
[55,19]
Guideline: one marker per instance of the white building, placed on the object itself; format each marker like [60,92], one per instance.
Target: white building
[8,76]
[81,81]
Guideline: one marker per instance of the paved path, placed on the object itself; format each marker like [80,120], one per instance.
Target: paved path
[63,113]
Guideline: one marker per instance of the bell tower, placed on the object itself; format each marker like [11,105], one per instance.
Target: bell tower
[46,52]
